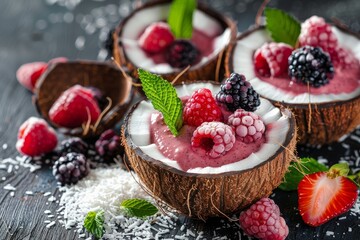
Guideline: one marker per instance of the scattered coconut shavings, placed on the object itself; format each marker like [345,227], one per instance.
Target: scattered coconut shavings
[9,187]
[4,146]
[47,194]
[52,199]
[29,193]
[50,224]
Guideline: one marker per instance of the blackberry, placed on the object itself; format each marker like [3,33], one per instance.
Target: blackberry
[108,146]
[72,167]
[74,144]
[99,97]
[310,65]
[237,93]
[108,44]
[182,53]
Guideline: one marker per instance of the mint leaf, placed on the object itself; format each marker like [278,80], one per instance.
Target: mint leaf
[297,170]
[180,18]
[282,26]
[355,178]
[138,207]
[164,98]
[94,223]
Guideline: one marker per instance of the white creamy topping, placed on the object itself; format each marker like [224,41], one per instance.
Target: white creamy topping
[141,19]
[139,129]
[243,63]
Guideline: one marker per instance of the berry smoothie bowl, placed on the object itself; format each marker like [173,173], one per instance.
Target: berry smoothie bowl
[315,72]
[148,39]
[217,158]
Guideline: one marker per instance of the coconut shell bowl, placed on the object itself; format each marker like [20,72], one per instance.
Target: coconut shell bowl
[102,75]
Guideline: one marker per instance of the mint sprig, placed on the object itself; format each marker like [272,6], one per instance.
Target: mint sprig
[282,26]
[164,98]
[138,208]
[181,17]
[297,170]
[94,223]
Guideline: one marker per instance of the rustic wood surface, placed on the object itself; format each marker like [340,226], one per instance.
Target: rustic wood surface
[34,30]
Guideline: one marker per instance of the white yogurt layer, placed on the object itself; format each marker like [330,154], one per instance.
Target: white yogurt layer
[139,130]
[243,63]
[141,19]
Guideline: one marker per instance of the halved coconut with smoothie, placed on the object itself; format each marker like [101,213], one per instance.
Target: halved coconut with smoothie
[209,150]
[312,68]
[164,37]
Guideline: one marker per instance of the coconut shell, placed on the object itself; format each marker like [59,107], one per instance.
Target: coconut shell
[104,76]
[206,71]
[210,195]
[318,123]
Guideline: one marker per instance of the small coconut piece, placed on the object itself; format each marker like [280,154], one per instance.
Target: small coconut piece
[322,118]
[104,76]
[127,52]
[211,192]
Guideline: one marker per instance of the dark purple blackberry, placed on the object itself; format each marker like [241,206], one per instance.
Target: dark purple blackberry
[69,169]
[109,43]
[74,144]
[108,146]
[310,65]
[182,53]
[237,93]
[99,97]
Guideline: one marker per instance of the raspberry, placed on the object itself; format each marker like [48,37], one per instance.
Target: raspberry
[108,146]
[182,53]
[216,138]
[74,107]
[73,144]
[247,125]
[237,93]
[272,59]
[345,59]
[201,107]
[310,65]
[72,167]
[35,137]
[263,221]
[156,37]
[316,32]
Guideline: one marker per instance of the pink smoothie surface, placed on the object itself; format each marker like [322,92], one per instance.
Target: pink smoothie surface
[179,148]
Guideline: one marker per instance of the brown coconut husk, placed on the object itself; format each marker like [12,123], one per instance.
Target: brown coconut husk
[104,76]
[210,195]
[318,123]
[211,70]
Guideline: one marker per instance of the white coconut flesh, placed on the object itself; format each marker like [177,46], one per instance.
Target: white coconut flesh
[139,130]
[242,60]
[143,18]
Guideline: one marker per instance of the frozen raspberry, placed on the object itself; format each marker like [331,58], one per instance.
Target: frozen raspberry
[272,59]
[72,167]
[182,53]
[316,32]
[74,107]
[345,59]
[247,125]
[73,144]
[35,137]
[108,146]
[156,37]
[263,221]
[216,138]
[237,93]
[201,107]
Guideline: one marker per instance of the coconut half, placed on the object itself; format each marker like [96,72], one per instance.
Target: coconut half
[321,118]
[104,76]
[128,53]
[211,191]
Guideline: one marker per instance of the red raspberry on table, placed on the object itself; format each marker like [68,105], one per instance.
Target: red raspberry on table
[263,221]
[216,138]
[271,59]
[74,107]
[35,137]
[201,107]
[247,125]
[156,37]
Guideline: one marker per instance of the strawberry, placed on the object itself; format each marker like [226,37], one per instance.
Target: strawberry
[35,137]
[156,37]
[325,195]
[74,107]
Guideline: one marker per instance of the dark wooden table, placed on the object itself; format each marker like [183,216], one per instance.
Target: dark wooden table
[34,30]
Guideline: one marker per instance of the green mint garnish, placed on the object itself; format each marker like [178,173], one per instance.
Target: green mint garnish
[164,99]
[297,170]
[180,18]
[138,208]
[355,178]
[282,26]
[94,223]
